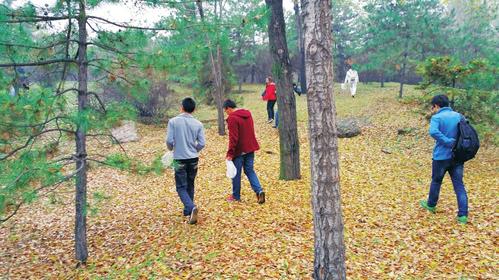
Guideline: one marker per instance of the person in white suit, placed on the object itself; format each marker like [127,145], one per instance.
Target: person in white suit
[351,80]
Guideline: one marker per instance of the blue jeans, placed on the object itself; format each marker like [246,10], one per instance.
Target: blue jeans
[245,161]
[270,109]
[438,170]
[185,174]
[276,119]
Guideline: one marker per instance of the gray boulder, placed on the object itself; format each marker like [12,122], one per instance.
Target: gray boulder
[127,132]
[348,128]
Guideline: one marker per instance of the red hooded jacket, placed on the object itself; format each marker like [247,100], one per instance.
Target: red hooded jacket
[270,92]
[242,137]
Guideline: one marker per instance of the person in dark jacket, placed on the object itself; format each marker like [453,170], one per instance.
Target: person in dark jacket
[242,147]
[443,128]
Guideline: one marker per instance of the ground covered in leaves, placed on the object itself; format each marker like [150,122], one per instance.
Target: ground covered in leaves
[135,227]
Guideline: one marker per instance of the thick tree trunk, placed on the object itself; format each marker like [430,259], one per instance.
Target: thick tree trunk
[301,51]
[81,250]
[329,248]
[288,132]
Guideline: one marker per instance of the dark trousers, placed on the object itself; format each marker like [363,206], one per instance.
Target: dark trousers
[185,174]
[270,109]
[456,170]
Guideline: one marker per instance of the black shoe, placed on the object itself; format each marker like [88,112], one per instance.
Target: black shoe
[194,216]
[261,197]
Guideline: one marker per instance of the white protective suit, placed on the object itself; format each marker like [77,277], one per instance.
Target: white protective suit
[351,80]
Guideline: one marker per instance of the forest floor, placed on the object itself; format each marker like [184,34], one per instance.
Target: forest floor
[136,230]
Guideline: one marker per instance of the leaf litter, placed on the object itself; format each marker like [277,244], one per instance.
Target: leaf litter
[139,232]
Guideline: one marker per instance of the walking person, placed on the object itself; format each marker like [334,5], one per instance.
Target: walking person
[351,80]
[185,136]
[242,147]
[271,97]
[444,129]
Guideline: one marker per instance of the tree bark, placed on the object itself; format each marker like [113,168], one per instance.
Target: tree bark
[329,248]
[81,250]
[404,65]
[288,132]
[216,69]
[219,91]
[382,79]
[301,51]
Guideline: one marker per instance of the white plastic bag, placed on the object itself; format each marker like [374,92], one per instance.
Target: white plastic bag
[231,169]
[167,159]
[343,86]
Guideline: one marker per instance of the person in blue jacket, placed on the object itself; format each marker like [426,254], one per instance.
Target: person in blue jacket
[444,129]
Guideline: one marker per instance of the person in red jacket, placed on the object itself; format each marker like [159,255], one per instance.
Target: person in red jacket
[270,96]
[242,147]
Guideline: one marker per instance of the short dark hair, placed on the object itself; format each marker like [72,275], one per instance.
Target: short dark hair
[188,104]
[229,104]
[441,100]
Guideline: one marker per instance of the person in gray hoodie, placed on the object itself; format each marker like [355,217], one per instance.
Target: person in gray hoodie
[185,137]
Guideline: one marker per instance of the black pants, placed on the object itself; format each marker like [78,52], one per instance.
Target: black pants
[185,174]
[270,109]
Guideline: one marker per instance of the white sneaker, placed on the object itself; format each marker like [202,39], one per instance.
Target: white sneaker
[270,120]
[194,216]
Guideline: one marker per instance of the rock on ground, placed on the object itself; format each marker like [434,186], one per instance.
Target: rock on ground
[348,128]
[127,132]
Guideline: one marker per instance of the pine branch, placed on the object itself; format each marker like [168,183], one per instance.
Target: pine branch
[109,72]
[99,100]
[41,63]
[129,26]
[108,48]
[64,179]
[31,138]
[8,44]
[32,125]
[32,19]
[12,214]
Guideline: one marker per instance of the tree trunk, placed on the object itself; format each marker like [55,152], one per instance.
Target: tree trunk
[301,51]
[402,71]
[329,248]
[253,70]
[81,250]
[288,132]
[216,69]
[220,90]
[382,78]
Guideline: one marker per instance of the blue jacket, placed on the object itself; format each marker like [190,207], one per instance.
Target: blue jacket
[443,128]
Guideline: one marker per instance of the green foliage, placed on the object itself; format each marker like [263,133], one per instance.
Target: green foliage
[35,122]
[475,32]
[446,71]
[123,162]
[472,88]
[395,28]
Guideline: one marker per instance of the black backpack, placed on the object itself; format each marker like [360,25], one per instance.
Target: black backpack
[467,143]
